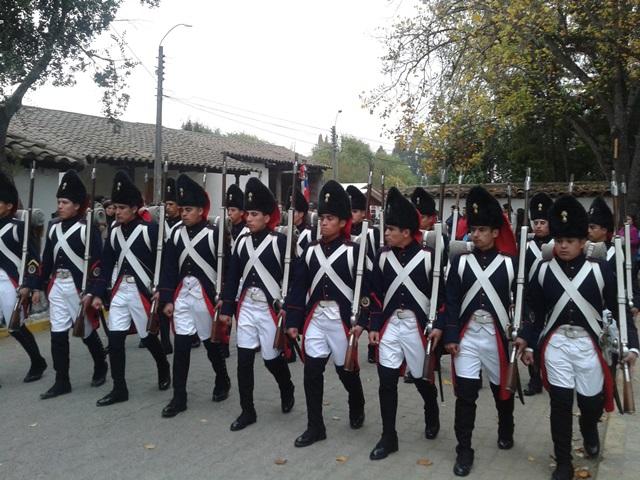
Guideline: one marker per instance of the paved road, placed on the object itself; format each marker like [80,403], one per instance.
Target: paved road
[69,438]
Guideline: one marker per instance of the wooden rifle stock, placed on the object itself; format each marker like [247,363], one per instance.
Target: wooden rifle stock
[429,363]
[18,306]
[628,401]
[351,363]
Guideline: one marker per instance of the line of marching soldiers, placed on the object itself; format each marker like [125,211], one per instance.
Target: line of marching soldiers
[566,295]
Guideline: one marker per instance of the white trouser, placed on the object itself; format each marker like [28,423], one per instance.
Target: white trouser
[126,305]
[573,363]
[190,313]
[64,306]
[256,327]
[325,334]
[478,348]
[401,340]
[7,297]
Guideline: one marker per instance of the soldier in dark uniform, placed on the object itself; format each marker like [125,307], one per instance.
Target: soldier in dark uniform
[188,275]
[129,257]
[61,276]
[236,211]
[399,314]
[479,287]
[539,206]
[11,239]
[255,271]
[568,295]
[301,208]
[426,206]
[326,275]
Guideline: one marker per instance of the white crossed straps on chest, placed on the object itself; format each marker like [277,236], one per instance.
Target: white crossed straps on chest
[304,235]
[6,251]
[533,246]
[61,239]
[371,245]
[270,283]
[127,254]
[326,268]
[403,276]
[483,281]
[572,293]
[611,252]
[168,230]
[189,250]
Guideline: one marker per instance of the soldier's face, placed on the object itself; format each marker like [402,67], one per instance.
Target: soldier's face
[597,233]
[330,226]
[396,237]
[5,209]
[568,248]
[234,214]
[484,237]
[67,209]
[191,215]
[257,221]
[427,221]
[110,211]
[540,228]
[357,216]
[298,217]
[171,209]
[125,213]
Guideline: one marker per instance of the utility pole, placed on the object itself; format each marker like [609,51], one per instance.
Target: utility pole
[157,167]
[334,152]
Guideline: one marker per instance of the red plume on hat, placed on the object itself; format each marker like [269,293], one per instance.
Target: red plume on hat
[506,241]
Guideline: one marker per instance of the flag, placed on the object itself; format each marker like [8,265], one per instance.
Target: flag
[304,182]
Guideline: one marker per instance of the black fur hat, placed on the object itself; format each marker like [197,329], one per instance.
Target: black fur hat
[333,200]
[539,206]
[568,218]
[483,209]
[124,190]
[190,193]
[400,212]
[358,199]
[72,188]
[300,203]
[235,197]
[601,214]
[423,201]
[258,197]
[170,190]
[8,191]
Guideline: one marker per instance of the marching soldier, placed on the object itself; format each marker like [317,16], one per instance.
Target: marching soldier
[255,271]
[188,276]
[539,215]
[322,293]
[129,256]
[301,208]
[567,295]
[61,276]
[11,239]
[236,211]
[478,298]
[401,281]
[426,206]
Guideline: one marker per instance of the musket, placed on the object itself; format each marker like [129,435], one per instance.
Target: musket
[623,199]
[443,180]
[279,340]
[204,177]
[429,363]
[351,357]
[14,322]
[153,320]
[78,324]
[570,186]
[509,206]
[383,203]
[616,201]
[456,210]
[217,330]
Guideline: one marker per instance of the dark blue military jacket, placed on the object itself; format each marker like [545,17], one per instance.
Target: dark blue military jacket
[373,241]
[64,249]
[11,237]
[272,258]
[236,229]
[534,247]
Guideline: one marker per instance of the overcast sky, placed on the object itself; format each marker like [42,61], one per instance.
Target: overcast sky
[297,60]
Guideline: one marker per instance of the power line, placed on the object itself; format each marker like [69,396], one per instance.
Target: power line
[132,52]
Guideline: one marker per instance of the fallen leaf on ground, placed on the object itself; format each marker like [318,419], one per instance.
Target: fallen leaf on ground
[446,381]
[203,420]
[425,462]
[335,418]
[35,424]
[583,473]
[342,458]
[149,446]
[280,461]
[531,459]
[325,403]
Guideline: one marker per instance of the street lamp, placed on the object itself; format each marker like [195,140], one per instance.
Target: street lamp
[334,147]
[157,164]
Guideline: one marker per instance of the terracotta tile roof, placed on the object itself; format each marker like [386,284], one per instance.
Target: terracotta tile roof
[499,190]
[24,151]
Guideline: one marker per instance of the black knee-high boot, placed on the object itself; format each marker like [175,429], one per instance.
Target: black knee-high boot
[535,380]
[117,359]
[100,366]
[561,401]
[246,358]
[222,382]
[388,394]
[38,364]
[152,344]
[505,418]
[60,354]
[465,417]
[591,409]
[165,334]
[353,385]
[313,392]
[429,394]
[181,361]
[280,371]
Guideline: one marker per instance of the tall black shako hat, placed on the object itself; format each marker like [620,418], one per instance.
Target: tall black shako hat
[8,191]
[72,188]
[124,190]
[170,190]
[423,201]
[235,197]
[358,199]
[333,200]
[483,209]
[601,214]
[400,212]
[568,218]
[258,197]
[539,206]
[300,203]
[191,194]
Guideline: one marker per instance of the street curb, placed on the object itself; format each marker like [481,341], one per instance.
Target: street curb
[39,325]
